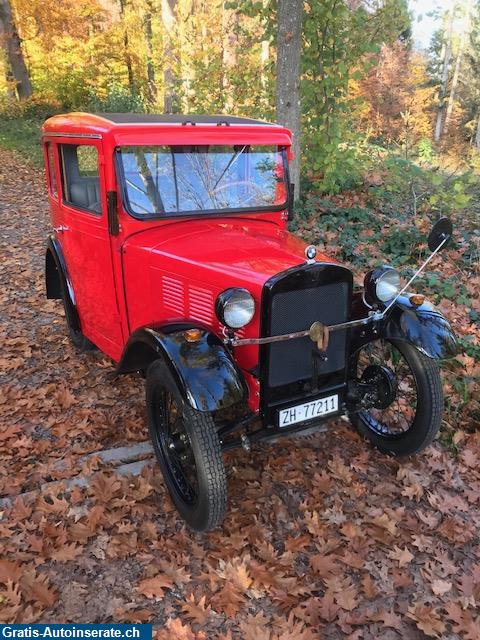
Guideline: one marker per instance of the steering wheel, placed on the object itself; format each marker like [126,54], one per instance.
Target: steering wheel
[237,183]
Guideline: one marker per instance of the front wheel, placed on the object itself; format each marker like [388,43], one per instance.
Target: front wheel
[407,415]
[188,451]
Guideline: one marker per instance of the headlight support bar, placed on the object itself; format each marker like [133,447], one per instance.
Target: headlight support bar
[318,333]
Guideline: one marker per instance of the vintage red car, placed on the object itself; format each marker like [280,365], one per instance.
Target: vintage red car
[171,252]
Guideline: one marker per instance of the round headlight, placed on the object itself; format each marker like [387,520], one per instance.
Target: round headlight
[235,308]
[381,285]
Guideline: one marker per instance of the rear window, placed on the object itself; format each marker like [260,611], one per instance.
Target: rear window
[52,170]
[166,180]
[80,177]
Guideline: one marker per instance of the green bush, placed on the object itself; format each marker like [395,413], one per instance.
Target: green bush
[118,99]
[37,107]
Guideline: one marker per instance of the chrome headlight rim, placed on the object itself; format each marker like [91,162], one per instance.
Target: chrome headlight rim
[235,300]
[381,285]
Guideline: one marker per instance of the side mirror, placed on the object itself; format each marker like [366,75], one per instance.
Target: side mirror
[441,231]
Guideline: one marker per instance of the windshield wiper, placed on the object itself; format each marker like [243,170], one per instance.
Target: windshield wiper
[232,160]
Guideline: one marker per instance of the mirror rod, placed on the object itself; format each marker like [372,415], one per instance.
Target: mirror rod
[417,273]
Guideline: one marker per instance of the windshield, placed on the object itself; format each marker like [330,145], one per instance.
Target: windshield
[167,180]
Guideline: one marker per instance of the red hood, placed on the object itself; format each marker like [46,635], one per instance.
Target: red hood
[251,250]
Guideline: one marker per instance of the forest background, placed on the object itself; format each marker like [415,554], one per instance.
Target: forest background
[388,137]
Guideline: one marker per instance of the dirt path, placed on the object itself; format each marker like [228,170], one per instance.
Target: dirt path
[324,537]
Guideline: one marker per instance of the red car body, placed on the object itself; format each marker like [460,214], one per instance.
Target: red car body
[156,272]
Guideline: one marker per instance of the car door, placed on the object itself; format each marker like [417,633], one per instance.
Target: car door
[86,243]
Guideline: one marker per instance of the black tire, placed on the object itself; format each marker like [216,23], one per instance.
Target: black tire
[76,335]
[195,475]
[427,412]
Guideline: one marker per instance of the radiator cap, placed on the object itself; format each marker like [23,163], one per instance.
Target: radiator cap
[310,253]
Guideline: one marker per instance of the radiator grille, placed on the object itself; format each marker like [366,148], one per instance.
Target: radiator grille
[296,310]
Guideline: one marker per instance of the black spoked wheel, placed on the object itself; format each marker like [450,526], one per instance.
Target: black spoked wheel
[76,335]
[188,450]
[406,412]
[171,437]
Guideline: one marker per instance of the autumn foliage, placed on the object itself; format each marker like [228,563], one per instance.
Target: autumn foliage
[396,98]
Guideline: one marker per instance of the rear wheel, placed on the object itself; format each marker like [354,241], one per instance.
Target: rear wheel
[188,451]
[407,414]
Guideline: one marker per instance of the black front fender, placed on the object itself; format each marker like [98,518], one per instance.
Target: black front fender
[424,327]
[204,370]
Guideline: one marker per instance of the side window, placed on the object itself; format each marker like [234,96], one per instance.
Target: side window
[52,171]
[80,178]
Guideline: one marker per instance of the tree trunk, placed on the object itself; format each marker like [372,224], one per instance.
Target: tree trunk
[458,63]
[477,134]
[10,82]
[264,56]
[447,56]
[126,49]
[229,55]
[13,50]
[147,24]
[289,48]
[170,100]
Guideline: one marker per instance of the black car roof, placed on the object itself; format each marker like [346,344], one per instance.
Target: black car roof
[169,118]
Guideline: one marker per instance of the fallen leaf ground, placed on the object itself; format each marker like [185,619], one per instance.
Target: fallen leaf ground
[324,537]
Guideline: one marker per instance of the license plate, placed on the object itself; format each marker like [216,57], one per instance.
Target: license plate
[308,411]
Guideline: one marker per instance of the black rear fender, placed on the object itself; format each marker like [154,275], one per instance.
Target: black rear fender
[57,282]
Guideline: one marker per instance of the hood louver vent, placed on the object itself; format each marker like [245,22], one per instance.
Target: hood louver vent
[201,303]
[173,295]
[195,303]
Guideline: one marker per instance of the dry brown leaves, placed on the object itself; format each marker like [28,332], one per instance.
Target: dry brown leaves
[324,538]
